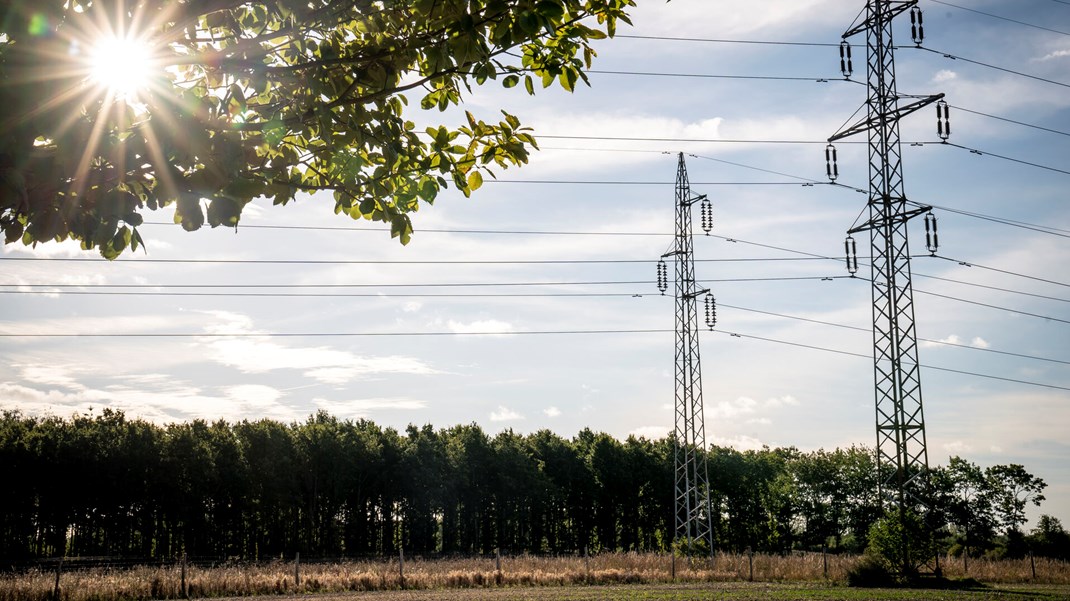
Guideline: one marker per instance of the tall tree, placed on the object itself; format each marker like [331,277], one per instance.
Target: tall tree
[1013,489]
[243,99]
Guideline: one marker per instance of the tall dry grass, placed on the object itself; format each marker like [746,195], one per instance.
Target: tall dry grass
[145,583]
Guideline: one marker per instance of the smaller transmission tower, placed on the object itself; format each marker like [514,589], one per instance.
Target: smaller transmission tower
[902,458]
[694,521]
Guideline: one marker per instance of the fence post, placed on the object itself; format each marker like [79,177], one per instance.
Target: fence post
[825,560]
[183,589]
[1032,564]
[401,565]
[297,571]
[750,560]
[498,559]
[55,589]
[672,553]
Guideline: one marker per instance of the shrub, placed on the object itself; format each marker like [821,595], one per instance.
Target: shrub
[870,572]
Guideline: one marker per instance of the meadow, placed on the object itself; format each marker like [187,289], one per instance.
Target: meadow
[609,576]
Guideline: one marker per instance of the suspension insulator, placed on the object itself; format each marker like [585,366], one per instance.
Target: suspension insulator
[845,59]
[707,216]
[832,168]
[663,276]
[917,26]
[932,238]
[711,311]
[943,120]
[851,252]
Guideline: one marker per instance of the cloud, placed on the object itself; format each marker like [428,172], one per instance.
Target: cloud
[552,412]
[944,75]
[740,443]
[957,447]
[358,408]
[955,340]
[730,409]
[486,326]
[504,414]
[651,432]
[260,354]
[784,401]
[1054,55]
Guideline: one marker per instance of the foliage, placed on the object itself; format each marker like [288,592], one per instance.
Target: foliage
[107,485]
[901,543]
[1050,539]
[268,98]
[870,572]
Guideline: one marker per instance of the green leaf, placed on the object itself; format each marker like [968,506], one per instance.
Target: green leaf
[510,81]
[475,180]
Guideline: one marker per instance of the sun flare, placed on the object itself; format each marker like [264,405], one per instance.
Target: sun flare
[122,66]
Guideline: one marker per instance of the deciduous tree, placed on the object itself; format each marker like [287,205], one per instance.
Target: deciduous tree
[240,99]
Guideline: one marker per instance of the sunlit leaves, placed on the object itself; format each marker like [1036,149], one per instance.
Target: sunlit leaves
[275,99]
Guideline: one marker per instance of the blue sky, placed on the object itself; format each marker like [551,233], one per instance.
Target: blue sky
[757,392]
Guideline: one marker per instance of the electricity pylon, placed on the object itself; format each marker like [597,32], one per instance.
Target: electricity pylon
[694,520]
[902,457]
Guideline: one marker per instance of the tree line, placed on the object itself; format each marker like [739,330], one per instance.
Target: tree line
[106,485]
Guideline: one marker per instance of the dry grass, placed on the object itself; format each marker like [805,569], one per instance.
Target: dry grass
[524,571]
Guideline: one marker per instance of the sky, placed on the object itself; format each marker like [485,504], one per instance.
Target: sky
[474,322]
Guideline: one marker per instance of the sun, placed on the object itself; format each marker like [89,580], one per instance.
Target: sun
[123,66]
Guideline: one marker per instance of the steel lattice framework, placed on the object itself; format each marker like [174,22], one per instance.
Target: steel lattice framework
[693,509]
[902,457]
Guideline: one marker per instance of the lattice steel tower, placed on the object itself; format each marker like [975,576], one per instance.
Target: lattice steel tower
[902,457]
[693,510]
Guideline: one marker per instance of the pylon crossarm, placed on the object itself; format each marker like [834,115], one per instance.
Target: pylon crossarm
[896,8]
[879,119]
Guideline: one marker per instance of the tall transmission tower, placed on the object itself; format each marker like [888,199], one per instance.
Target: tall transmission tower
[694,521]
[902,458]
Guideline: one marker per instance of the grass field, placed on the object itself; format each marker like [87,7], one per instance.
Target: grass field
[721,591]
[610,576]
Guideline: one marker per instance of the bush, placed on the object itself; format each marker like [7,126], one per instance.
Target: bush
[901,542]
[870,572]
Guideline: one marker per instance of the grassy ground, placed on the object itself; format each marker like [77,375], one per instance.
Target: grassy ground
[609,576]
[720,591]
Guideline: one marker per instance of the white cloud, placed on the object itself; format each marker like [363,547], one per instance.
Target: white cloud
[784,401]
[1054,55]
[412,307]
[957,447]
[980,342]
[504,414]
[740,443]
[651,432]
[944,75]
[358,408]
[552,412]
[730,409]
[261,354]
[486,326]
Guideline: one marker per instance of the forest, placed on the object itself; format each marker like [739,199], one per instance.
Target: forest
[105,485]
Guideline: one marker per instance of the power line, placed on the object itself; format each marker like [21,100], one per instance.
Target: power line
[1047,129]
[1003,271]
[1044,229]
[980,304]
[868,330]
[225,335]
[1006,158]
[724,41]
[990,66]
[853,354]
[405,262]
[997,288]
[1000,17]
[63,288]
[715,76]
